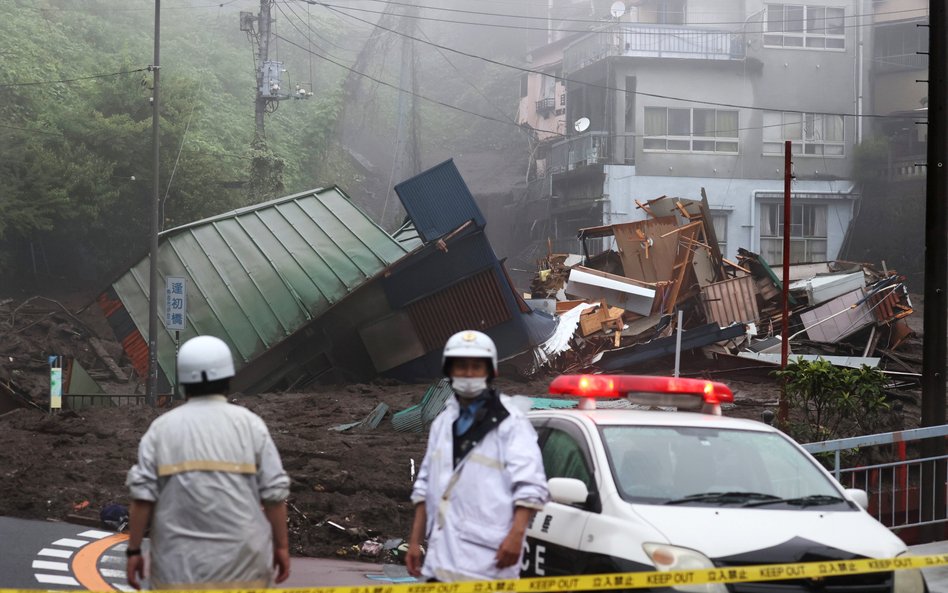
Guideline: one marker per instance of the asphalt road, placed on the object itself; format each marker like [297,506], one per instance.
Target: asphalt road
[45,555]
[61,556]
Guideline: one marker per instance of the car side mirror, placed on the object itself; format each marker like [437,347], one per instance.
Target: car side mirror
[568,490]
[858,496]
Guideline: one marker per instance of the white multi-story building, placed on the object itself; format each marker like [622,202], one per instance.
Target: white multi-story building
[675,96]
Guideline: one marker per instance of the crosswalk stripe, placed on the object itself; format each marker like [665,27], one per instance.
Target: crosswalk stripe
[47,565]
[95,534]
[55,553]
[123,587]
[70,543]
[56,579]
[112,560]
[112,573]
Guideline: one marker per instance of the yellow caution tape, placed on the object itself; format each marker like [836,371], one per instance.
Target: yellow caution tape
[630,580]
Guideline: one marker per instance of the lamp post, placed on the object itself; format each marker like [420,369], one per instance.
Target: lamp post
[151,387]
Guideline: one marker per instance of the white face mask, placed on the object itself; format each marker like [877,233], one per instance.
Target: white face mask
[468,387]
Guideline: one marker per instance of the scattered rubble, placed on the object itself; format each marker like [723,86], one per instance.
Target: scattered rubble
[633,276]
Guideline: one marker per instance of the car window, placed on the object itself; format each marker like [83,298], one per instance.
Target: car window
[654,464]
[563,458]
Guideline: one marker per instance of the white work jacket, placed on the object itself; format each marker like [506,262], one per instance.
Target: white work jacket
[470,508]
[208,465]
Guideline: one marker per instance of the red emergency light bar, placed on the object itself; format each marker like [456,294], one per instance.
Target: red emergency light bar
[645,390]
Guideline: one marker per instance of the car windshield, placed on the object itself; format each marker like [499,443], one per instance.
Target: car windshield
[703,466]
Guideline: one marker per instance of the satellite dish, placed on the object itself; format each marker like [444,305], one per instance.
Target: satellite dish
[617,9]
[581,124]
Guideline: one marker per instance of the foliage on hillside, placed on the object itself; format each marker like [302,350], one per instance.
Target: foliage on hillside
[76,157]
[76,185]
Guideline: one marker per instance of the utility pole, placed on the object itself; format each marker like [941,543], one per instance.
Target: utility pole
[934,351]
[151,387]
[259,27]
[783,414]
[263,57]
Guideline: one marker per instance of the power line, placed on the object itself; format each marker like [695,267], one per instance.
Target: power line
[606,21]
[519,27]
[90,77]
[310,28]
[398,88]
[590,84]
[125,9]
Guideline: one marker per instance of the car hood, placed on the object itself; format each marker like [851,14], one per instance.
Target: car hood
[792,535]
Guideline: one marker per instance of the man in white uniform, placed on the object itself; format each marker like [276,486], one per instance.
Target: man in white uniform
[482,477]
[211,481]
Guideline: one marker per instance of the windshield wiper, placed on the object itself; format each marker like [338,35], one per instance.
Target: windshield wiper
[727,498]
[812,500]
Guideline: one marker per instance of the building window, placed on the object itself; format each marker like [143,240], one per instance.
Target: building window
[896,46]
[811,133]
[805,26]
[807,233]
[719,222]
[690,130]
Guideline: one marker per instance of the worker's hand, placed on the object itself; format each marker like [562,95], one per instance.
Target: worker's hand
[281,561]
[135,570]
[413,560]
[508,553]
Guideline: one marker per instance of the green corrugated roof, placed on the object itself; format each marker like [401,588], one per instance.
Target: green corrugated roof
[257,274]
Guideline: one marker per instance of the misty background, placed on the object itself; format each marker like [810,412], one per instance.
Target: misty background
[75,122]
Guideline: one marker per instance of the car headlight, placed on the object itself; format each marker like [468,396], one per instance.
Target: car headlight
[909,580]
[667,558]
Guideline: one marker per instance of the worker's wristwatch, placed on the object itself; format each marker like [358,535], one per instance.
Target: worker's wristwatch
[130,552]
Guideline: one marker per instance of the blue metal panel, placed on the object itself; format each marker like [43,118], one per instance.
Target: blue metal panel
[438,201]
[431,270]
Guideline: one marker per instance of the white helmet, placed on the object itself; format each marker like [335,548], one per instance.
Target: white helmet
[470,344]
[204,358]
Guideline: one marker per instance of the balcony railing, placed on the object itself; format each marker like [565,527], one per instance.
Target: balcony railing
[546,106]
[908,168]
[592,148]
[653,41]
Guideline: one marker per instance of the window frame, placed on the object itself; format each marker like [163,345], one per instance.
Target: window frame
[798,232]
[691,139]
[811,36]
[806,123]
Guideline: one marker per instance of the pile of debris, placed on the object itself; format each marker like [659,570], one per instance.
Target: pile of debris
[621,303]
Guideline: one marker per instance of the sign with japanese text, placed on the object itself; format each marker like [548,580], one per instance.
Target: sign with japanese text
[55,383]
[176,302]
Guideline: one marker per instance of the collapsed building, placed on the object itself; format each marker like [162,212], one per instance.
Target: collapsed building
[307,288]
[622,291]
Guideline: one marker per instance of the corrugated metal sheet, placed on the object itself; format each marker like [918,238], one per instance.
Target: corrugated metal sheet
[417,417]
[731,300]
[885,305]
[476,302]
[257,274]
[438,201]
[431,270]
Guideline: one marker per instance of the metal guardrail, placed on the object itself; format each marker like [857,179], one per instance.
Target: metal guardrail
[894,488]
[74,401]
[592,148]
[653,41]
[546,105]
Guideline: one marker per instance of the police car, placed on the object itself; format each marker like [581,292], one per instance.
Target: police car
[643,490]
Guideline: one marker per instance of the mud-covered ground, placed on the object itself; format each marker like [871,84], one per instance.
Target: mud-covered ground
[74,463]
